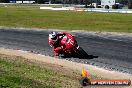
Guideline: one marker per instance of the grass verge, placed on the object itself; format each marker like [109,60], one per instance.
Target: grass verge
[67,20]
[17,72]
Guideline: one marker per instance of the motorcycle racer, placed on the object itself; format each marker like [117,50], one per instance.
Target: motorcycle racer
[66,45]
[54,41]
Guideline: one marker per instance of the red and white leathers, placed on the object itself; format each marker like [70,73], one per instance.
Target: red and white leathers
[57,47]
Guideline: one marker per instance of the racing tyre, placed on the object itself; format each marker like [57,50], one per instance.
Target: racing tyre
[82,53]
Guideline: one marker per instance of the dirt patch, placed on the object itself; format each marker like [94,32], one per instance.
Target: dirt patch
[67,67]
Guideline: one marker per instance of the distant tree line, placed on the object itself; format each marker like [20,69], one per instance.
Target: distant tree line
[130,4]
[4,1]
[86,2]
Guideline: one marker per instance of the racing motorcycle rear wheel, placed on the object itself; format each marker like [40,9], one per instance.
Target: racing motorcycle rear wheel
[81,53]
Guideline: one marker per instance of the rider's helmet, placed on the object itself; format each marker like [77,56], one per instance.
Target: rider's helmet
[53,38]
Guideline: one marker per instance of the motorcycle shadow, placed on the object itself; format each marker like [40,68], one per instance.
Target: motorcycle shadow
[80,57]
[88,57]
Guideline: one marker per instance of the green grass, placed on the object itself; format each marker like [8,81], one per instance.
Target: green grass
[67,20]
[16,72]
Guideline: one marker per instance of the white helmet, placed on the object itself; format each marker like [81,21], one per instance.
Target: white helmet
[53,36]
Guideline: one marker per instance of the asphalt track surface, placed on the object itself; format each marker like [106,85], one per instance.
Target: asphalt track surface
[109,52]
